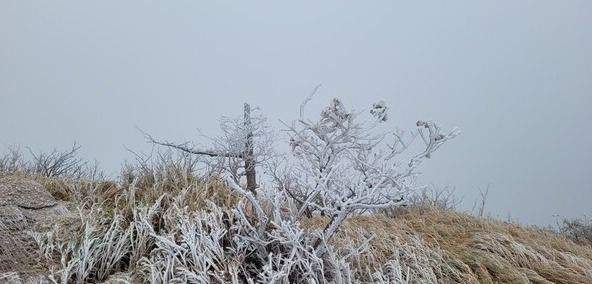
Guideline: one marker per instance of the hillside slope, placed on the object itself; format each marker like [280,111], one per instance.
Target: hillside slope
[440,246]
[421,244]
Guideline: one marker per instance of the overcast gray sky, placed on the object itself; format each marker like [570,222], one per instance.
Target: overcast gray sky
[514,76]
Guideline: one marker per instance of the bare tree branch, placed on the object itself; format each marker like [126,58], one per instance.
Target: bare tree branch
[183,147]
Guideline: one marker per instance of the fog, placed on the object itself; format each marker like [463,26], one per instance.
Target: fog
[514,76]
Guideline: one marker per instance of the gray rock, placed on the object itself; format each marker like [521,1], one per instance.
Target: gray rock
[24,193]
[25,207]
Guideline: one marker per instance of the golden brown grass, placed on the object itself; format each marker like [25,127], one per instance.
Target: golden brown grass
[456,247]
[198,191]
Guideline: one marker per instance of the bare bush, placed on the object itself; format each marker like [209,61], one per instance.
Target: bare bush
[66,163]
[479,206]
[13,160]
[577,230]
[55,163]
[438,197]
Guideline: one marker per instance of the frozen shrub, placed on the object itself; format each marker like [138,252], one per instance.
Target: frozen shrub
[578,230]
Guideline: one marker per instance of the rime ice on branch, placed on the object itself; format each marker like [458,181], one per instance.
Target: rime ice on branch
[340,165]
[244,144]
[343,167]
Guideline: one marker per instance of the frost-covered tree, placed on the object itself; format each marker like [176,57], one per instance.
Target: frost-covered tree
[344,166]
[245,143]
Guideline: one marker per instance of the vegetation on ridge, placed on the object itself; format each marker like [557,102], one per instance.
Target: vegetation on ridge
[423,244]
[332,215]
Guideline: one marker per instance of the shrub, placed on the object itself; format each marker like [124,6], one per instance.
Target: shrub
[578,230]
[53,164]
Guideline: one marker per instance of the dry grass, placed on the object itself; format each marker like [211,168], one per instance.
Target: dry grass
[422,244]
[441,246]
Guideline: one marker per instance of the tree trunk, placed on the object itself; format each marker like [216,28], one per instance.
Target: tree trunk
[248,154]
